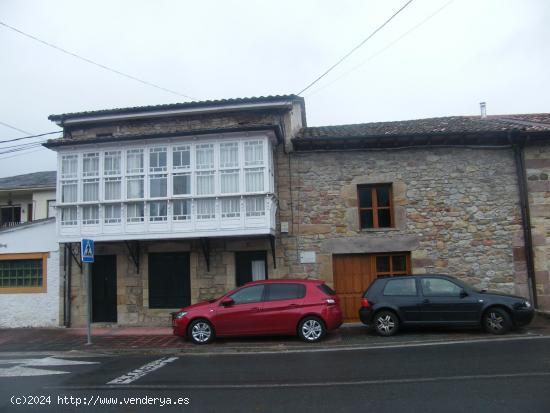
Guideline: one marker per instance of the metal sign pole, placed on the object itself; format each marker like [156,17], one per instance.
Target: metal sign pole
[87,257]
[88,274]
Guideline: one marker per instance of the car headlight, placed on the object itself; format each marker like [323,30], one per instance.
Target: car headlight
[181,314]
[527,304]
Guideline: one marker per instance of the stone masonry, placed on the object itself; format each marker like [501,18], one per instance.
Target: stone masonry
[537,163]
[456,211]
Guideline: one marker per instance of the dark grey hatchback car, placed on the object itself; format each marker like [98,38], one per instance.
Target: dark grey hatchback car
[442,300]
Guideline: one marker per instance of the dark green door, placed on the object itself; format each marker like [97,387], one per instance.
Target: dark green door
[169,284]
[104,289]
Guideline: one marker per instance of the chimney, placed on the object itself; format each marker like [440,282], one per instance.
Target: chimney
[483,108]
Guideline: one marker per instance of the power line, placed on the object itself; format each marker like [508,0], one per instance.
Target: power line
[19,154]
[412,29]
[355,48]
[29,137]
[110,69]
[14,128]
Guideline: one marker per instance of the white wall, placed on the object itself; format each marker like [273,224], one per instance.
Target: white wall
[40,202]
[33,309]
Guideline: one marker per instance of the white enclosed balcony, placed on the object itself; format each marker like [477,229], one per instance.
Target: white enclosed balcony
[178,188]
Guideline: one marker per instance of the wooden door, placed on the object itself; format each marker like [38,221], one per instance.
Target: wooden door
[353,273]
[352,276]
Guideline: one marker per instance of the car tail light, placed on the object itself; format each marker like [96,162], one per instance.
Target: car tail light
[330,301]
[365,303]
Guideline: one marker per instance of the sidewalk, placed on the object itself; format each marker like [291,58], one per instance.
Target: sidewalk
[160,339]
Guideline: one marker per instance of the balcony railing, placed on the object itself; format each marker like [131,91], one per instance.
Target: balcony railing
[9,224]
[173,224]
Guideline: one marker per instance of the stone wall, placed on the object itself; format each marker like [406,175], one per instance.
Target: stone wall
[133,289]
[537,163]
[456,210]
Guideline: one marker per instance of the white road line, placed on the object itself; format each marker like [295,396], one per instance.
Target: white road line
[313,384]
[142,371]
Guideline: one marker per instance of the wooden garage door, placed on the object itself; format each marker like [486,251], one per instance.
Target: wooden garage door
[353,273]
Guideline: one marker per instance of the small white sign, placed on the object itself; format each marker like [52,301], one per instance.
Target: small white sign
[284,227]
[307,257]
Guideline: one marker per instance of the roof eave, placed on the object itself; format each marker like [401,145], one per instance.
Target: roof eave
[124,138]
[70,120]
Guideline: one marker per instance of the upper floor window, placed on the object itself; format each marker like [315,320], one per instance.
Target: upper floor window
[375,206]
[69,166]
[90,215]
[135,212]
[134,161]
[69,216]
[157,159]
[90,164]
[69,191]
[253,153]
[112,214]
[90,190]
[255,206]
[229,155]
[111,163]
[181,157]
[205,156]
[158,186]
[113,189]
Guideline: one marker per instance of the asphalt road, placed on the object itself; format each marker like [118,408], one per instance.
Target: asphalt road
[503,376]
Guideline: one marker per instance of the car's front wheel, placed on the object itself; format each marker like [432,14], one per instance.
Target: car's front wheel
[200,332]
[386,323]
[311,329]
[497,321]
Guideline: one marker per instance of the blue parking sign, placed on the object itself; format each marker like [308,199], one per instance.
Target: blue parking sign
[87,250]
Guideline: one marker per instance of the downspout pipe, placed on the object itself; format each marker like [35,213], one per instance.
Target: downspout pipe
[67,298]
[518,145]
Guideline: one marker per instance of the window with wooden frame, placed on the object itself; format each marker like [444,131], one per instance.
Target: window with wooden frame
[23,273]
[375,206]
[392,264]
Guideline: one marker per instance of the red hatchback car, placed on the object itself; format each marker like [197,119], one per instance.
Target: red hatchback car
[308,308]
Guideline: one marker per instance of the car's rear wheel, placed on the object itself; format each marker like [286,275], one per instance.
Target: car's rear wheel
[311,329]
[497,321]
[200,332]
[386,323]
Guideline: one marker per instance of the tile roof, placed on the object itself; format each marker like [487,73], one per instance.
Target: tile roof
[44,179]
[432,126]
[175,106]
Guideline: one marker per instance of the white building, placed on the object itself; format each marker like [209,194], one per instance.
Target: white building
[29,275]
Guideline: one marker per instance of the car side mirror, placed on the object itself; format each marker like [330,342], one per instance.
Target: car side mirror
[227,301]
[463,293]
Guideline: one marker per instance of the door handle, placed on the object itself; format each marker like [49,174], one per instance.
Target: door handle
[256,309]
[293,305]
[426,301]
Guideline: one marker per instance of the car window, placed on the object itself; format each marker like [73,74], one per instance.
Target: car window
[251,294]
[326,289]
[285,291]
[401,286]
[439,287]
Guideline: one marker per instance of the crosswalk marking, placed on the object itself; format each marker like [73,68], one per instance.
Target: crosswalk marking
[142,371]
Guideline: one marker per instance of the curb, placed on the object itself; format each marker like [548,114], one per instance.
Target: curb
[279,349]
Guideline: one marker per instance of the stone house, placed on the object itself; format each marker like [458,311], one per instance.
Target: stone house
[187,201]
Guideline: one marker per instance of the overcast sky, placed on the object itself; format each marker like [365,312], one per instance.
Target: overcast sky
[496,51]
